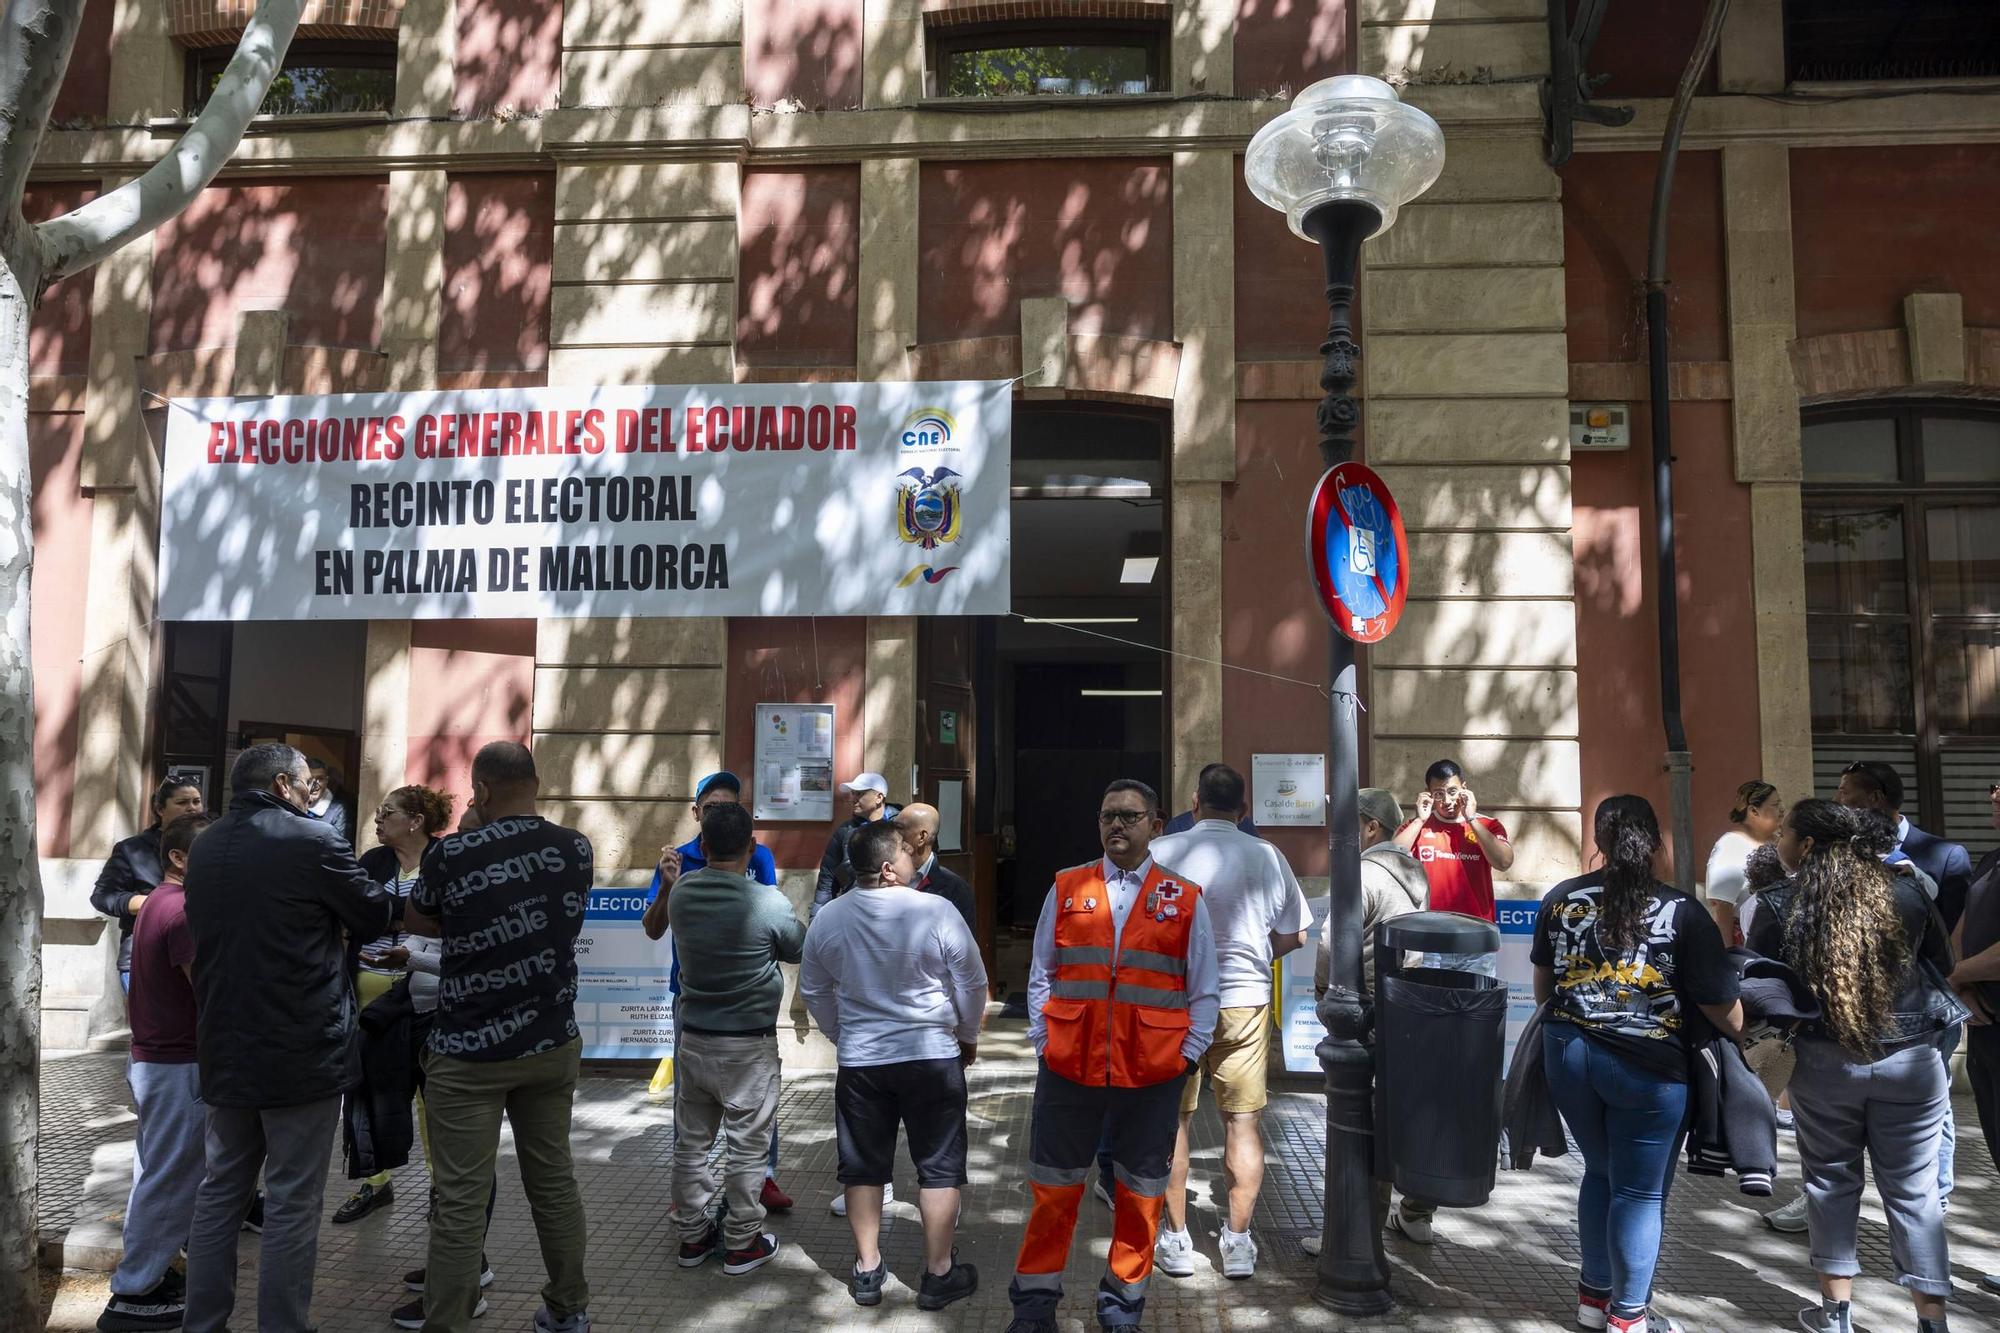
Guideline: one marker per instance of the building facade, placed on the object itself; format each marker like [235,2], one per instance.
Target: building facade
[479,194]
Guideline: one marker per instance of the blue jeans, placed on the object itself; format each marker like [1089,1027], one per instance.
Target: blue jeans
[166,1172]
[1628,1120]
[1948,1144]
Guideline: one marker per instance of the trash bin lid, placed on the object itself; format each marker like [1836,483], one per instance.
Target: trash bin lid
[1438,932]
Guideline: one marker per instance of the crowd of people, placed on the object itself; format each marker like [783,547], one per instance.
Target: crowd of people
[286,994]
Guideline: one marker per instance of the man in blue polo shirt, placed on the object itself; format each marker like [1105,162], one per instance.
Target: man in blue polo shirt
[723,788]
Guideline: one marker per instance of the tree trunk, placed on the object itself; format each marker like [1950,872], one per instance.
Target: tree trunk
[35,41]
[20,870]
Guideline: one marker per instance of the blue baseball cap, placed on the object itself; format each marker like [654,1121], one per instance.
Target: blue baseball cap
[723,779]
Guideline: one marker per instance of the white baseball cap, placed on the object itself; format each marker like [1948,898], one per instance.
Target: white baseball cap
[867,782]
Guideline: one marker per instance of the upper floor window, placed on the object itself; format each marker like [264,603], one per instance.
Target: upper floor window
[1067,60]
[1880,40]
[317,78]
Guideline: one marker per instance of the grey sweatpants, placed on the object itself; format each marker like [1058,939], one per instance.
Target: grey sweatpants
[1894,1109]
[166,1171]
[730,1085]
[292,1145]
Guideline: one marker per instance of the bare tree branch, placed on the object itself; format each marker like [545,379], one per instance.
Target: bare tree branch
[79,239]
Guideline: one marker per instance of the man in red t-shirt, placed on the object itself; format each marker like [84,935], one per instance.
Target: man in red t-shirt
[1460,849]
[146,1291]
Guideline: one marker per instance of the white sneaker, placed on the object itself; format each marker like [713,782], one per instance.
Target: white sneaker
[1414,1229]
[1786,1120]
[1173,1253]
[1239,1254]
[839,1205]
[1790,1219]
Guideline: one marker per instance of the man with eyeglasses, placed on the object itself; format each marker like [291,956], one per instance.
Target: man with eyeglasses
[1122,1001]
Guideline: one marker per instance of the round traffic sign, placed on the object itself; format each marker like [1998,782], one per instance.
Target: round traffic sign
[1359,554]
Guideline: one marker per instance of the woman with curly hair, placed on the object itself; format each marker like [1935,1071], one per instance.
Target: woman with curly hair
[1634,976]
[1867,1075]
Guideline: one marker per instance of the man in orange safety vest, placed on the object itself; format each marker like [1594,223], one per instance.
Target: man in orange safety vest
[1122,1000]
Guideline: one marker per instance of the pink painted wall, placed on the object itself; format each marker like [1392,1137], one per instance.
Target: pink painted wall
[59,333]
[1617,640]
[807,51]
[1271,620]
[471,682]
[799,240]
[86,86]
[778,660]
[1097,231]
[1287,44]
[313,247]
[509,56]
[499,241]
[1280,284]
[61,579]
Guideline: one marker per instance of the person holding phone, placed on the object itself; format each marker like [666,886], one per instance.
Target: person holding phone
[1460,849]
[409,820]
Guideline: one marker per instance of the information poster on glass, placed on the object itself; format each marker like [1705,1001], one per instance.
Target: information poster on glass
[622,1006]
[1288,790]
[794,777]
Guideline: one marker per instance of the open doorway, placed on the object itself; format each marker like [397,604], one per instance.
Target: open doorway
[1069,691]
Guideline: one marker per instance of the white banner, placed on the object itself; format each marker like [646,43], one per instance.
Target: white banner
[672,500]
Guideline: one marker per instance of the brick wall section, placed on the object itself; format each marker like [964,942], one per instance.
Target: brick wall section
[956,13]
[990,233]
[221,22]
[499,240]
[796,292]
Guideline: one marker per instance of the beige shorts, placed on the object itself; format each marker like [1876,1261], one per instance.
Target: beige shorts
[1238,1062]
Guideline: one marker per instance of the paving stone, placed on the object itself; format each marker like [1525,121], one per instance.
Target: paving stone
[1508,1266]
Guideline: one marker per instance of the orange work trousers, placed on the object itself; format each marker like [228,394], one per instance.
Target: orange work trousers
[1070,1119]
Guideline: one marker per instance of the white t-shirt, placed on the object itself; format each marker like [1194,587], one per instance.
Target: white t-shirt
[1250,892]
[893,975]
[1725,879]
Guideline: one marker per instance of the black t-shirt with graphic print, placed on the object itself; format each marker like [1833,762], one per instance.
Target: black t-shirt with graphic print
[509,898]
[1639,1002]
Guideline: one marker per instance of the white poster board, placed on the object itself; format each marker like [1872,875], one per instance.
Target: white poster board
[794,762]
[1288,790]
[616,500]
[623,1008]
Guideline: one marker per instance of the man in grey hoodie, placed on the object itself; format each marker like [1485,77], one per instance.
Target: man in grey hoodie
[731,933]
[1392,883]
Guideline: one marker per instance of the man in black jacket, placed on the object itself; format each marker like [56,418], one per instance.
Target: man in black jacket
[269,892]
[919,826]
[871,802]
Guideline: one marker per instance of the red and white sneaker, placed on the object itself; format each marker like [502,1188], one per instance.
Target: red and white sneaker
[1593,1310]
[1648,1322]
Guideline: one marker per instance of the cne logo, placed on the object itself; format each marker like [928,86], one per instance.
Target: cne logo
[929,428]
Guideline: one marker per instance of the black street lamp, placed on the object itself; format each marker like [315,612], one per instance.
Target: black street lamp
[1338,165]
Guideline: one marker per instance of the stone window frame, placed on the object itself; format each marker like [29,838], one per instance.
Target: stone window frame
[954,26]
[365,48]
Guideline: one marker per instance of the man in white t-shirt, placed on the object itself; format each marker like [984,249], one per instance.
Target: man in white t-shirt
[1259,914]
[894,977]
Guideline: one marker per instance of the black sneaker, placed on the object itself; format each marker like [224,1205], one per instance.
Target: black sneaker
[695,1252]
[162,1307]
[414,1279]
[867,1287]
[253,1216]
[411,1315]
[364,1201]
[751,1257]
[938,1292]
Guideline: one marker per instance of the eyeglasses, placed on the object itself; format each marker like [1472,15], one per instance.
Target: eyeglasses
[1120,818]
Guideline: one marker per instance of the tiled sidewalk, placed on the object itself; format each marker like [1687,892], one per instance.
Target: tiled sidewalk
[1507,1266]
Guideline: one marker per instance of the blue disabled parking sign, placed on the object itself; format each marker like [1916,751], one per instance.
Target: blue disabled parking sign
[1358,552]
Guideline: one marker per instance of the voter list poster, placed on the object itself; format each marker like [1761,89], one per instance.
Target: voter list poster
[623,1008]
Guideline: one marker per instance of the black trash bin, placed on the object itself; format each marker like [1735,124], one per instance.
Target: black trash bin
[1439,1036]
